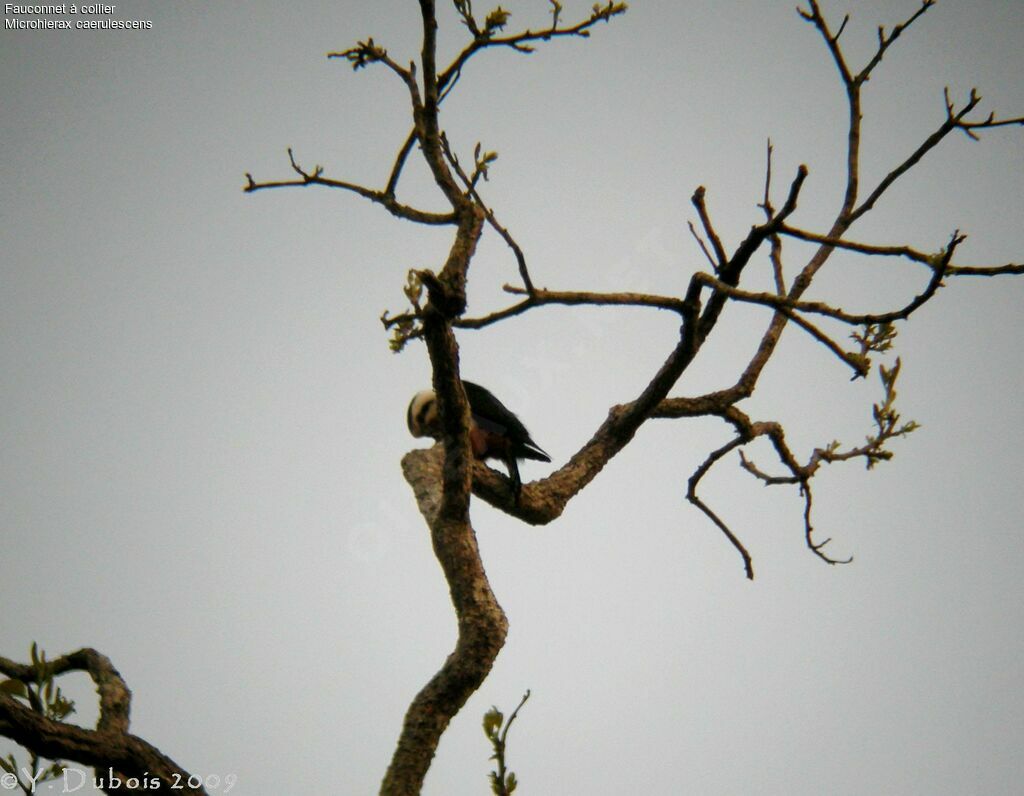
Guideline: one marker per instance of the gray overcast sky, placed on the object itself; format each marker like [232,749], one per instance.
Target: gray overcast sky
[202,423]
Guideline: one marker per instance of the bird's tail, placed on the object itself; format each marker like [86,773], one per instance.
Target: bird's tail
[531,450]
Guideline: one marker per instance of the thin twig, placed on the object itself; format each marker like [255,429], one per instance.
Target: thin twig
[702,211]
[383,198]
[691,495]
[470,183]
[703,247]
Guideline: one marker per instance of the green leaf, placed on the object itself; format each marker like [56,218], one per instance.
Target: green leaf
[556,12]
[492,722]
[496,20]
[14,688]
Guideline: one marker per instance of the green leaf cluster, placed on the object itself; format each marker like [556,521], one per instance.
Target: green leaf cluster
[887,419]
[481,160]
[364,53]
[493,719]
[556,12]
[876,337]
[495,20]
[608,10]
[500,788]
[44,697]
[496,729]
[887,425]
[406,326]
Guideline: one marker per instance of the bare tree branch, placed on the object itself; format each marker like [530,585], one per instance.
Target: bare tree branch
[885,41]
[396,169]
[470,183]
[816,547]
[731,270]
[862,248]
[952,122]
[788,305]
[691,495]
[703,247]
[384,198]
[521,42]
[988,124]
[699,202]
[985,270]
[482,625]
[541,297]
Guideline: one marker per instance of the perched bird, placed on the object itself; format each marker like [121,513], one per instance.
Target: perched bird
[495,433]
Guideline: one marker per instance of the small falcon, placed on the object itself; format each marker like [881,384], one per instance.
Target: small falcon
[496,433]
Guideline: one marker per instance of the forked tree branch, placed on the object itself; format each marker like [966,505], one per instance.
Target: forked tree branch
[443,477]
[482,625]
[789,306]
[470,185]
[109,745]
[385,198]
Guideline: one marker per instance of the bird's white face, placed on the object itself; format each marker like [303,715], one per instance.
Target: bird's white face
[422,417]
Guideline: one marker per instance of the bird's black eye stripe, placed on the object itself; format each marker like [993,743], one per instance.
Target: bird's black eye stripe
[421,416]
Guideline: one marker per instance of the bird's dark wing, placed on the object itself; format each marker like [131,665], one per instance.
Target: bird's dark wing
[492,415]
